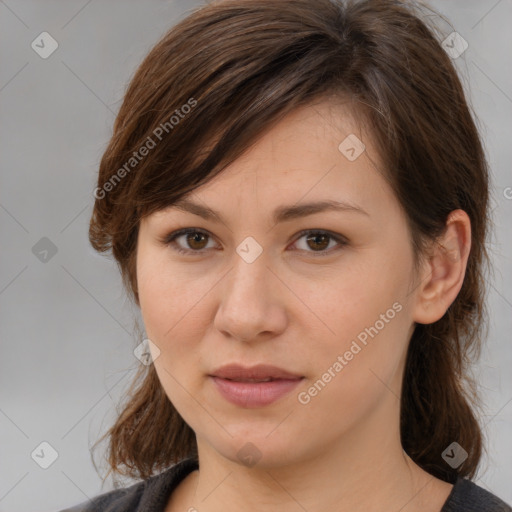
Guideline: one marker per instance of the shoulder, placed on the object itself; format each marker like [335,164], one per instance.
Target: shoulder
[152,493]
[466,496]
[118,499]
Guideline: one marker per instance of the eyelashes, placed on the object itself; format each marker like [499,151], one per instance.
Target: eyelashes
[317,236]
[171,240]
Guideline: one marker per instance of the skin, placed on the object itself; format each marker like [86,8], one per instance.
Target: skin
[298,308]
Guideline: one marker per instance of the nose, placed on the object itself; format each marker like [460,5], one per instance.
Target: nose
[251,302]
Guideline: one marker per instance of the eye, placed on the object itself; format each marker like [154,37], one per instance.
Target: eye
[318,240]
[193,237]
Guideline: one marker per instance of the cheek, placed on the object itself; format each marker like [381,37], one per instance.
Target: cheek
[353,378]
[173,305]
[158,295]
[364,320]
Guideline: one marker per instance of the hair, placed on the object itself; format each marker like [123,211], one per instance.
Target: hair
[233,69]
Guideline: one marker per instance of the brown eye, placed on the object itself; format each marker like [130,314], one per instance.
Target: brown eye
[194,241]
[319,242]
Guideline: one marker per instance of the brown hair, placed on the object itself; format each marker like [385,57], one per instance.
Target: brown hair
[242,65]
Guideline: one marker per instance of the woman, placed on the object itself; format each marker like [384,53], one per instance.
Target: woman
[297,198]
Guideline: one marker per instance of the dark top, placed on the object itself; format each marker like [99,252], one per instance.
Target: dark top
[152,495]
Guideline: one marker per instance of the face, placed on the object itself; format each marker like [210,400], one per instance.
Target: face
[323,294]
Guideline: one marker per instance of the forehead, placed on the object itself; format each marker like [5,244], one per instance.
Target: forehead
[313,149]
[317,152]
[308,130]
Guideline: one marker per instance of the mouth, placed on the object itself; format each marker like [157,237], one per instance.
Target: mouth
[254,394]
[268,379]
[253,387]
[258,373]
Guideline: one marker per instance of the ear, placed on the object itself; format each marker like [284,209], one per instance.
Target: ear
[443,273]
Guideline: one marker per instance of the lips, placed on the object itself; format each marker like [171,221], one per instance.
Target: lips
[255,386]
[258,373]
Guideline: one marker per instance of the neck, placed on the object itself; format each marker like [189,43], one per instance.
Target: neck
[366,470]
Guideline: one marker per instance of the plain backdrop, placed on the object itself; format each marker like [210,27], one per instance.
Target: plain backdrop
[66,326]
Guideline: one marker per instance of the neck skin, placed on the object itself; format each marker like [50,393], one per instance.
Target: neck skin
[366,469]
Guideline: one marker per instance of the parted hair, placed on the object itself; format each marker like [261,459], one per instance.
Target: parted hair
[218,80]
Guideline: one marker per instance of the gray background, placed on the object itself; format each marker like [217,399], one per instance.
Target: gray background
[66,326]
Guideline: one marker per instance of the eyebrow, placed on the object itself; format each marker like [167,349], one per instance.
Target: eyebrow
[281,213]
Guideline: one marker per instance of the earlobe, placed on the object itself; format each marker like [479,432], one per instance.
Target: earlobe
[445,270]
